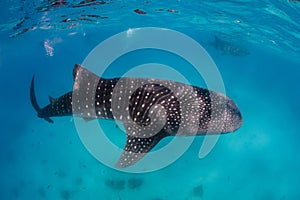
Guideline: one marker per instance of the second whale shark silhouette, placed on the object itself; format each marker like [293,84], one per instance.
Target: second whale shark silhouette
[150,109]
[227,48]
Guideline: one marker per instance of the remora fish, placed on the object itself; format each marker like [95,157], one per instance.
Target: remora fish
[150,109]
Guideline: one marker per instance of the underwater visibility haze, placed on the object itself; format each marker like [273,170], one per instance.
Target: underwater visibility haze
[255,48]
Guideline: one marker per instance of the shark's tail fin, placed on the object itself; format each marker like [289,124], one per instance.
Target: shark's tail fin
[34,102]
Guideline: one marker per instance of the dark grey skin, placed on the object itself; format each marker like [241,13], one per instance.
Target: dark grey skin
[226,48]
[150,109]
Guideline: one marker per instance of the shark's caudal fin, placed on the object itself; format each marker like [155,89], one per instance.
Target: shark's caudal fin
[32,96]
[34,102]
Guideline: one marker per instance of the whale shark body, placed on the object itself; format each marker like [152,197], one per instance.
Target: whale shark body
[227,48]
[150,109]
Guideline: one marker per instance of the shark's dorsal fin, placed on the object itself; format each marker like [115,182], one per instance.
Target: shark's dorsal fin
[75,70]
[137,147]
[217,39]
[84,79]
[51,99]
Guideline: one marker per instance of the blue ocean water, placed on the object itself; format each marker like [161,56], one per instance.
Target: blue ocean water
[255,45]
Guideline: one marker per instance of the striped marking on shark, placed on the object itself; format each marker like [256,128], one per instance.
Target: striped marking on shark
[150,109]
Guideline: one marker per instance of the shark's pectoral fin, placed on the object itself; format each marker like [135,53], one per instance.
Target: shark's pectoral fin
[49,120]
[137,147]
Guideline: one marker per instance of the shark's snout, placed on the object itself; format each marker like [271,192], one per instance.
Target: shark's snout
[234,117]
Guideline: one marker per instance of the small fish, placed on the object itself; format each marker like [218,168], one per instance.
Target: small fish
[141,12]
[150,109]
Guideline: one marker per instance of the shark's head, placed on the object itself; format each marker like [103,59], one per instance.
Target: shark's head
[225,115]
[233,117]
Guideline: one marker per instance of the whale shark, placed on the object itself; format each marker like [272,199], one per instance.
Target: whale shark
[150,109]
[227,48]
